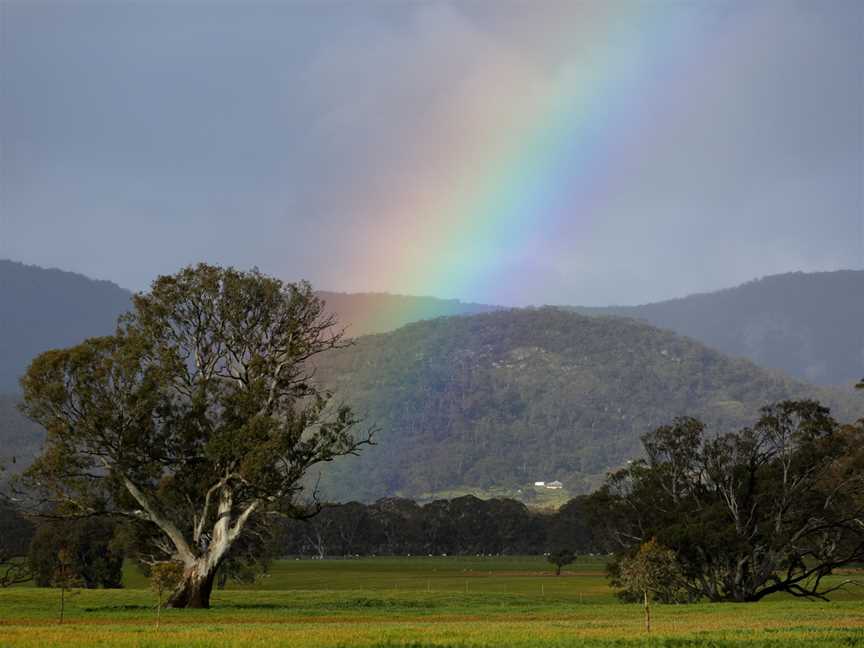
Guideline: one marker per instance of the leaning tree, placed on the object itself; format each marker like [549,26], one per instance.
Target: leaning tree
[199,417]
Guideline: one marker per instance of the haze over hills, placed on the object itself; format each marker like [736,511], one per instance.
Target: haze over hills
[810,325]
[365,313]
[496,401]
[42,309]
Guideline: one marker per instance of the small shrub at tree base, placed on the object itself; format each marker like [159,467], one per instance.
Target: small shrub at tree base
[164,578]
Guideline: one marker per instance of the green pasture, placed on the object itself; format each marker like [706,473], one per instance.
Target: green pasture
[418,602]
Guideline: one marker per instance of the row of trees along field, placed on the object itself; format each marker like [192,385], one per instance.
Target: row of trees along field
[462,526]
[390,527]
[195,424]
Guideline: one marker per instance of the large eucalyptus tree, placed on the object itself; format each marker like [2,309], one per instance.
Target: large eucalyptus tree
[199,417]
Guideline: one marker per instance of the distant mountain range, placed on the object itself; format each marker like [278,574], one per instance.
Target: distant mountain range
[808,325]
[491,403]
[43,309]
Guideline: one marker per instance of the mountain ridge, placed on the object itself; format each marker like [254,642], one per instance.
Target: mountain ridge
[498,400]
[810,325]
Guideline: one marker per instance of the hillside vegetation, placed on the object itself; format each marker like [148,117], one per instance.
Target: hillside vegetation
[497,401]
[810,325]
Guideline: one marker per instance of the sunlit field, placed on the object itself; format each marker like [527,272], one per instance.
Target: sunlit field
[438,601]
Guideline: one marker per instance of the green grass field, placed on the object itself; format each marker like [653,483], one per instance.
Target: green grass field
[421,602]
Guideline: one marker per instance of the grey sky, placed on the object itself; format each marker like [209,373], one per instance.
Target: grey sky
[136,138]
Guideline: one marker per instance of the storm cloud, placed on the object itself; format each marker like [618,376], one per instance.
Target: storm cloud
[297,136]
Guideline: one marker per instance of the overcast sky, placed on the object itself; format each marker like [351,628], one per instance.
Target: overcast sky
[136,138]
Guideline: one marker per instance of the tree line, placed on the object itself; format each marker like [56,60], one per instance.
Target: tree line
[389,527]
[461,526]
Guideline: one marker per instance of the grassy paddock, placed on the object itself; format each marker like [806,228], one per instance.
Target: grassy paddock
[421,602]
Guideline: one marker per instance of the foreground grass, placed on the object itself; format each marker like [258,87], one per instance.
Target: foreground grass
[420,602]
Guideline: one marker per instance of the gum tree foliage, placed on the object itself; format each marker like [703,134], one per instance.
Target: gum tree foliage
[560,558]
[775,507]
[88,544]
[198,417]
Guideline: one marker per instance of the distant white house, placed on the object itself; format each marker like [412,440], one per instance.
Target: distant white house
[553,485]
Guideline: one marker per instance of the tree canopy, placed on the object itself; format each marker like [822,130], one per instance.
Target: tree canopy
[774,507]
[197,418]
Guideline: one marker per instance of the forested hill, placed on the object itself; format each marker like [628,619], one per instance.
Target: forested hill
[809,325]
[43,309]
[491,403]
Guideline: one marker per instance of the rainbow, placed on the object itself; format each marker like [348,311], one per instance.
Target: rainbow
[539,158]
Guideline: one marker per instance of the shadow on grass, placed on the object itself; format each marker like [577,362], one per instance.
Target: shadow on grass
[349,604]
[118,608]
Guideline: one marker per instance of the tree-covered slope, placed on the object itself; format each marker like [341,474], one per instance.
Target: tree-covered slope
[44,309]
[497,401]
[809,325]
